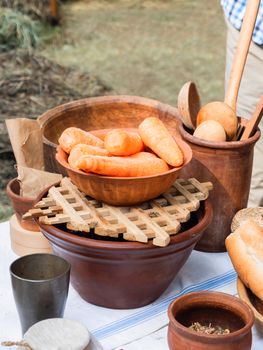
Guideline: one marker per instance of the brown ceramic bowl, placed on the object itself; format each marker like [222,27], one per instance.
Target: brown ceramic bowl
[217,309]
[125,275]
[21,204]
[253,301]
[106,113]
[123,190]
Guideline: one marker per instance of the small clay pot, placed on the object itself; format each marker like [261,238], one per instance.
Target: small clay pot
[217,309]
[21,205]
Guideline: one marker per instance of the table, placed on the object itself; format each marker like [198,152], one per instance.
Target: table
[138,329]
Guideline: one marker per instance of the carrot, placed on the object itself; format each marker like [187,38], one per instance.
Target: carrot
[73,136]
[82,150]
[120,142]
[156,136]
[139,164]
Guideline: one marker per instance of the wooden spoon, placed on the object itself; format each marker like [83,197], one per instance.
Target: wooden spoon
[252,124]
[189,104]
[225,112]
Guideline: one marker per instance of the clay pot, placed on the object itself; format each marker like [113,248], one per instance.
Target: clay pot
[21,205]
[123,190]
[104,112]
[228,165]
[217,309]
[126,275]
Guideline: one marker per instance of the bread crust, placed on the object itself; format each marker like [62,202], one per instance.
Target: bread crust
[255,214]
[245,248]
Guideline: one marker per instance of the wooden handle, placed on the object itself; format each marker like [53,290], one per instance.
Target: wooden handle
[54,9]
[254,121]
[241,52]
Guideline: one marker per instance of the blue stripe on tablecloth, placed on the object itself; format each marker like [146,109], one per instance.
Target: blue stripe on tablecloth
[160,307]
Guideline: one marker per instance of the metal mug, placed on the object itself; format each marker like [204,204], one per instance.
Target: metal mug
[40,285]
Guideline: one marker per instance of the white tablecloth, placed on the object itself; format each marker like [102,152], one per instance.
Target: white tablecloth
[137,329]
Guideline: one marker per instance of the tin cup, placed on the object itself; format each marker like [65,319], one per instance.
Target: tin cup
[40,285]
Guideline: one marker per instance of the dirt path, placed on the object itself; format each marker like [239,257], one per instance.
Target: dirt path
[147,48]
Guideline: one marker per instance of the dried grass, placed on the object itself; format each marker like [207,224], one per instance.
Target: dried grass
[36,9]
[30,85]
[17,30]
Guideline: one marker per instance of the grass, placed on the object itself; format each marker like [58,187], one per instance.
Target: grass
[146,48]
[36,9]
[17,30]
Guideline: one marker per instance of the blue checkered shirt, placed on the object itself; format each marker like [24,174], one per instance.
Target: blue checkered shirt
[234,11]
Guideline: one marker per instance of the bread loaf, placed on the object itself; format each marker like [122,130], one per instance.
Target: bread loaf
[256,214]
[245,248]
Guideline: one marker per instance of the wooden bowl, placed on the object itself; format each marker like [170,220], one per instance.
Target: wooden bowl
[123,190]
[253,301]
[104,112]
[217,309]
[124,275]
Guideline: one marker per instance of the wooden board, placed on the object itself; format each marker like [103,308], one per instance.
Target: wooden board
[24,242]
[157,219]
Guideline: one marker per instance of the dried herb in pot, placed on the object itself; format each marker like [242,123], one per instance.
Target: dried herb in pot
[217,330]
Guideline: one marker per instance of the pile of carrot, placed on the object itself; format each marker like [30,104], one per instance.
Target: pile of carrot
[150,151]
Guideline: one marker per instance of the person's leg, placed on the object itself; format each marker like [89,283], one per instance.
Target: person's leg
[251,89]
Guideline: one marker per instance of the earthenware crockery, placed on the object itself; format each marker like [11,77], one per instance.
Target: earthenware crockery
[212,309]
[21,205]
[104,112]
[122,274]
[228,165]
[123,190]
[108,112]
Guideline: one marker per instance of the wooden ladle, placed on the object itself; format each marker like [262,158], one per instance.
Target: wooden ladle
[189,104]
[225,112]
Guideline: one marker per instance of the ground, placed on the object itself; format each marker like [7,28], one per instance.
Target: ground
[135,47]
[146,48]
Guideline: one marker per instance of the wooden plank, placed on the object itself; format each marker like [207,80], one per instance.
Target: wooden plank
[168,217]
[67,208]
[191,198]
[132,229]
[161,238]
[203,188]
[102,228]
